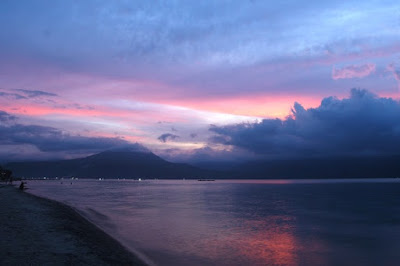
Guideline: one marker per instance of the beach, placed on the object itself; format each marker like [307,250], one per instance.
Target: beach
[37,231]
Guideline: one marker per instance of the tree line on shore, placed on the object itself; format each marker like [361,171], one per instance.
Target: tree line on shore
[5,175]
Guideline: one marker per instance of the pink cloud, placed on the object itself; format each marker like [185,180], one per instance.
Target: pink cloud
[260,105]
[353,71]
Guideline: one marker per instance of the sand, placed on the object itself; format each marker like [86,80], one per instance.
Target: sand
[37,231]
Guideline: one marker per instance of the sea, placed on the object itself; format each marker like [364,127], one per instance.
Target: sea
[242,222]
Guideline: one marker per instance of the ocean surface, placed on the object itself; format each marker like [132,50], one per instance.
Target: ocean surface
[243,222]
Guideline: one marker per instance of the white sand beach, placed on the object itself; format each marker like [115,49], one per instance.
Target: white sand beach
[37,231]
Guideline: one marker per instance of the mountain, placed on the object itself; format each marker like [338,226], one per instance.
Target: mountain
[135,163]
[109,164]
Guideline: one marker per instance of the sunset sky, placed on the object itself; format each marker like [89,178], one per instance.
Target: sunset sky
[199,79]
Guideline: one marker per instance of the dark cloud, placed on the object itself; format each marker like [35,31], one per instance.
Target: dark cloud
[208,157]
[49,139]
[35,93]
[131,147]
[193,135]
[25,94]
[15,96]
[211,154]
[166,137]
[6,117]
[362,124]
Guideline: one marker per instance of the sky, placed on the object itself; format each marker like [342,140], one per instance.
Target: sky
[199,80]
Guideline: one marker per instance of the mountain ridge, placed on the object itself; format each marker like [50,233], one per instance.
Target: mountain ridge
[144,164]
[109,164]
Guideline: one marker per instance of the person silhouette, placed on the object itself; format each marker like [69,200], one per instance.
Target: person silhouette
[22,186]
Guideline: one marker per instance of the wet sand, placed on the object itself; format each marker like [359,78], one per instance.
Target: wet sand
[37,231]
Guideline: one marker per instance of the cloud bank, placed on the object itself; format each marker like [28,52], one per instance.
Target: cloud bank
[363,124]
[50,139]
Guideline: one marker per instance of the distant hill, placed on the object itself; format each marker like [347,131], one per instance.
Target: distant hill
[144,164]
[109,164]
[320,168]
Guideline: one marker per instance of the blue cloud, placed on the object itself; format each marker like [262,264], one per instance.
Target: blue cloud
[225,39]
[49,139]
[363,124]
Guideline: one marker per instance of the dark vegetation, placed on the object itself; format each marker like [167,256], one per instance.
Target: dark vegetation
[6,175]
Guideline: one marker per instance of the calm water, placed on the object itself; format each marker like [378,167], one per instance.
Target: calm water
[278,222]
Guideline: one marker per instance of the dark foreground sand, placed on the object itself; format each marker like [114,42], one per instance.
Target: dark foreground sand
[36,231]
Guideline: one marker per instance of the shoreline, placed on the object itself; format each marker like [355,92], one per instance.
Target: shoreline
[41,231]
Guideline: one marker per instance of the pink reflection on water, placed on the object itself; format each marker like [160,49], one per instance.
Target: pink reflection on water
[274,241]
[183,223]
[271,243]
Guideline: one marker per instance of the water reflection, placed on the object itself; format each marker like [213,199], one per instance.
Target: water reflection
[272,241]
[244,222]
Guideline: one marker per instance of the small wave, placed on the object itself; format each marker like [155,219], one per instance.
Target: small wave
[97,214]
[100,219]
